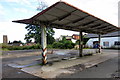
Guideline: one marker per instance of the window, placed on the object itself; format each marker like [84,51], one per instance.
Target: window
[105,43]
[117,43]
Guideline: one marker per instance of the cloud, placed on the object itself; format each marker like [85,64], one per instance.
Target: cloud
[59,32]
[14,31]
[8,7]
[27,2]
[105,10]
[23,3]
[1,7]
[2,11]
[22,10]
[14,1]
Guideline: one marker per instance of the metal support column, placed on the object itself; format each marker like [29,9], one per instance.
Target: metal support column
[81,44]
[99,43]
[44,44]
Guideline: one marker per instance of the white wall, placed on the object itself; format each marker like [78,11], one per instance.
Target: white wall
[111,41]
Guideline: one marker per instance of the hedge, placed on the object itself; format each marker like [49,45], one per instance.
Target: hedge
[20,47]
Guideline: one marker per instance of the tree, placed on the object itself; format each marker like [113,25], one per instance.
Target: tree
[34,31]
[64,44]
[17,41]
[85,39]
[41,5]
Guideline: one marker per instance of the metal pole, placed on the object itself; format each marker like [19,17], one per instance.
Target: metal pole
[80,44]
[99,43]
[44,44]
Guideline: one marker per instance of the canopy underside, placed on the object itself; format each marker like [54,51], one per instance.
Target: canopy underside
[62,15]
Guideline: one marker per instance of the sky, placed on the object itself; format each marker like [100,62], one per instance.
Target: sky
[22,9]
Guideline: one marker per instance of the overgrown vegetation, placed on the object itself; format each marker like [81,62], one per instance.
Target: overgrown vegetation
[63,44]
[7,47]
[85,39]
[56,45]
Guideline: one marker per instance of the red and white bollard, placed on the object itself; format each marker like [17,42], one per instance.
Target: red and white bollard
[44,44]
[44,56]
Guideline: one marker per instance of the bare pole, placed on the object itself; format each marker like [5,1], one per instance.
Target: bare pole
[80,44]
[99,43]
[44,44]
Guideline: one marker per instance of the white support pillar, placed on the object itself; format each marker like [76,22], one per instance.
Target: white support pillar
[81,44]
[44,44]
[99,43]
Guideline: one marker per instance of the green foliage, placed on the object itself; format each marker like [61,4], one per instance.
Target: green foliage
[41,5]
[17,41]
[84,40]
[69,45]
[7,47]
[34,31]
[63,44]
[58,45]
[50,39]
[49,46]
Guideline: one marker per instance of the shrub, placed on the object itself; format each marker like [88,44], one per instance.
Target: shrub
[49,46]
[37,46]
[58,45]
[64,45]
[69,45]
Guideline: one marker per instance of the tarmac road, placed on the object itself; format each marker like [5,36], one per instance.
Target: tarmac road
[94,72]
[107,69]
[10,72]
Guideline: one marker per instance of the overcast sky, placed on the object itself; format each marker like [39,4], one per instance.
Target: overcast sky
[22,9]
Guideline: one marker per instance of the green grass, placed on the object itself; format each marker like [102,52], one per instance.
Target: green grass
[8,47]
[5,49]
[83,48]
[86,48]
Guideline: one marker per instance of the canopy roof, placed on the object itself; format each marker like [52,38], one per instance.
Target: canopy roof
[62,15]
[113,34]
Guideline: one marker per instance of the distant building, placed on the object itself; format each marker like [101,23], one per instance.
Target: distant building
[76,36]
[30,44]
[5,39]
[66,37]
[72,38]
[57,40]
[107,40]
[17,44]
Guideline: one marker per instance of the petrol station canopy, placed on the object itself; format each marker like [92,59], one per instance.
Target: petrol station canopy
[62,15]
